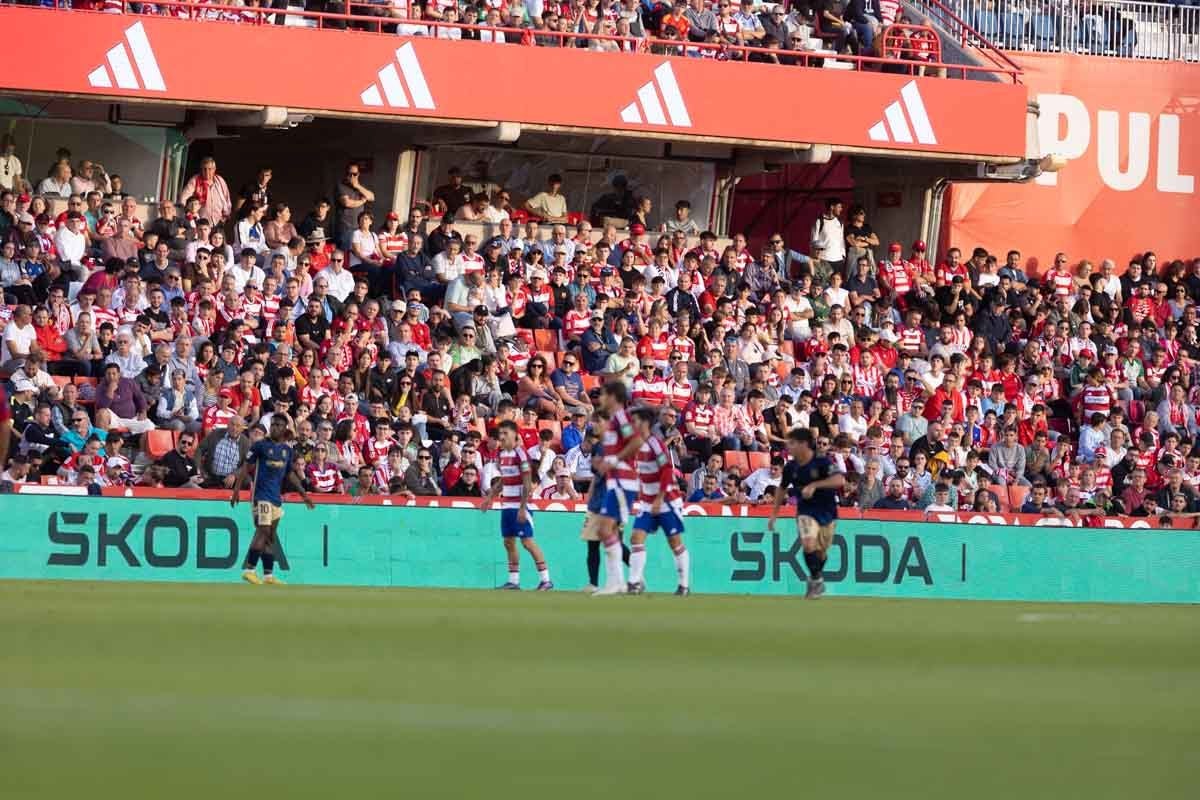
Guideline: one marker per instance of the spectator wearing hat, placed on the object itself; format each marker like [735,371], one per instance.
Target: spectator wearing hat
[439,239]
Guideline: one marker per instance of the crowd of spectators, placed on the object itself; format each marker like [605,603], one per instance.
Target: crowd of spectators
[668,27]
[157,350]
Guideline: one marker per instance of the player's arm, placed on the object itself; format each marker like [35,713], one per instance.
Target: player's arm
[490,497]
[526,490]
[781,492]
[243,476]
[293,477]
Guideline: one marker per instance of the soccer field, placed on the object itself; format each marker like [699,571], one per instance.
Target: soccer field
[219,691]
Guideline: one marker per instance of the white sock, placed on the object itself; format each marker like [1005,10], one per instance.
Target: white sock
[544,575]
[614,568]
[637,563]
[683,563]
[514,576]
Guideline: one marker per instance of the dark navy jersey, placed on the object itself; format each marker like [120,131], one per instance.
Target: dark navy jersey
[272,462]
[823,506]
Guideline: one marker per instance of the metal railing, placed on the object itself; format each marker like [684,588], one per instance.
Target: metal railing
[922,57]
[1120,28]
[963,31]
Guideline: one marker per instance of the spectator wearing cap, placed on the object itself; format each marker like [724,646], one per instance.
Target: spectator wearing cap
[211,190]
[596,344]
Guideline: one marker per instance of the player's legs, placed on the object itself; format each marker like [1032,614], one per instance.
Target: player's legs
[510,530]
[268,553]
[614,512]
[637,554]
[539,562]
[514,562]
[683,561]
[814,540]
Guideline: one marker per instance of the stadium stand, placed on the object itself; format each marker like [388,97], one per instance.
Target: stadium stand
[176,331]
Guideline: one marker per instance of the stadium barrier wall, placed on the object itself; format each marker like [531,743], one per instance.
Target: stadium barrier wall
[165,539]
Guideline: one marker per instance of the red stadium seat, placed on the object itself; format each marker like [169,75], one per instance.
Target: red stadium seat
[158,443]
[546,339]
[61,380]
[758,460]
[736,459]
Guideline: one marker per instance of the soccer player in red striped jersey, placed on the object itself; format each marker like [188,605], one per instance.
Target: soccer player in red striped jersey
[659,505]
[620,443]
[513,486]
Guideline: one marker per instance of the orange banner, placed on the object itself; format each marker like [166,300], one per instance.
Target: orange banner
[1131,133]
[156,58]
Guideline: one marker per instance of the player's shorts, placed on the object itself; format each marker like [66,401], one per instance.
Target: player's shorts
[510,528]
[668,521]
[618,503]
[809,528]
[591,526]
[266,513]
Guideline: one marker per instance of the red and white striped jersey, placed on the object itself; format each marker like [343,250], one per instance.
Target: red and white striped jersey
[617,437]
[946,273]
[649,391]
[679,393]
[375,450]
[1062,281]
[911,339]
[700,416]
[655,473]
[393,244]
[684,346]
[961,338]
[514,469]
[867,380]
[896,276]
[215,418]
[576,323]
[326,479]
[1096,399]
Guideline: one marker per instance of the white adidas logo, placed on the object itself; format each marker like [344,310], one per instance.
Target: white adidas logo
[894,127]
[122,70]
[393,87]
[647,106]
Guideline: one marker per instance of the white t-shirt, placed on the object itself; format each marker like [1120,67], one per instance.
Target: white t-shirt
[368,244]
[832,236]
[23,338]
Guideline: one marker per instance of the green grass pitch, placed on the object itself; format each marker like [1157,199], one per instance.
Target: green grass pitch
[221,691]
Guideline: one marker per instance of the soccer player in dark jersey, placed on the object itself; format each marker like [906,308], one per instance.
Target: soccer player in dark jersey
[272,464]
[816,482]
